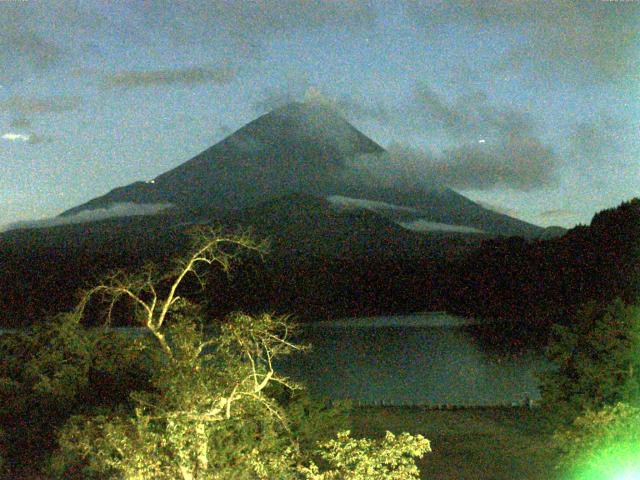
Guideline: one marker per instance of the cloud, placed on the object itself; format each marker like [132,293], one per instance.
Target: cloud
[471,116]
[115,210]
[557,214]
[598,142]
[490,146]
[40,36]
[484,144]
[520,163]
[245,27]
[588,41]
[422,225]
[25,51]
[29,105]
[298,89]
[357,203]
[15,137]
[186,76]
[20,122]
[32,138]
[368,109]
[512,212]
[35,138]
[466,118]
[293,89]
[602,151]
[281,15]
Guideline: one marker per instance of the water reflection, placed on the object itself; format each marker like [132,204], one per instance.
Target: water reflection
[409,365]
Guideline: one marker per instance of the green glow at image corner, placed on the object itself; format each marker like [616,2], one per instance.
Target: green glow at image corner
[619,463]
[633,474]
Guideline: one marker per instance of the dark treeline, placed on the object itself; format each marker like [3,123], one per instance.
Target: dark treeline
[544,282]
[537,283]
[529,285]
[42,270]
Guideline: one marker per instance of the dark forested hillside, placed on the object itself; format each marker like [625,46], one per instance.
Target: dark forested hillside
[322,262]
[325,263]
[42,269]
[543,282]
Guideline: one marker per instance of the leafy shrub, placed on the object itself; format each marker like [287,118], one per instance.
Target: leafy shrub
[213,414]
[597,361]
[55,370]
[391,458]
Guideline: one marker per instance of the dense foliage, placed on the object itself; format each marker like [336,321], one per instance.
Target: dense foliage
[542,283]
[215,414]
[362,266]
[593,393]
[55,369]
[178,399]
[596,360]
[210,409]
[391,458]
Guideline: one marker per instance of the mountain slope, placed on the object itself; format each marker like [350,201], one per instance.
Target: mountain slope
[294,148]
[299,148]
[42,268]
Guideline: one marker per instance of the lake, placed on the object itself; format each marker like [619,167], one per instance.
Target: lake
[423,359]
[420,359]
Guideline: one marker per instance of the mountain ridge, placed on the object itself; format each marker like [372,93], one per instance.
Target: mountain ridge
[297,148]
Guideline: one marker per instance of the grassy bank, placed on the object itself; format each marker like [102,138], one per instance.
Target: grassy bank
[469,444]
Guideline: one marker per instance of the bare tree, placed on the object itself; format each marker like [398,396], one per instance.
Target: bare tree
[208,247]
[244,348]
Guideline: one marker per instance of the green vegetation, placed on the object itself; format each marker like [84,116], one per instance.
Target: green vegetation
[602,444]
[546,282]
[594,393]
[194,398]
[597,360]
[198,406]
[54,370]
[471,443]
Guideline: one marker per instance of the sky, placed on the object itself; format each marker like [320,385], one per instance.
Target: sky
[531,108]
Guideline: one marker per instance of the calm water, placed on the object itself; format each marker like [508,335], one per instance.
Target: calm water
[421,359]
[407,365]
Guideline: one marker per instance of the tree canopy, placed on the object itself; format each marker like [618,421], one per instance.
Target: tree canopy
[205,401]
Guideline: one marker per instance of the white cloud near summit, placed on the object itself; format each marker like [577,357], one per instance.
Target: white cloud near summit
[520,164]
[32,138]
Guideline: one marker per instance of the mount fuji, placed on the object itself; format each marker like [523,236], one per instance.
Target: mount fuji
[341,243]
[307,149]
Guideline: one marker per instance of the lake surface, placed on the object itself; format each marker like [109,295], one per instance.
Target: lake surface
[419,359]
[427,359]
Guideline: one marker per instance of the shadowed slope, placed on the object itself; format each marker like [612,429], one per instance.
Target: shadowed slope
[298,148]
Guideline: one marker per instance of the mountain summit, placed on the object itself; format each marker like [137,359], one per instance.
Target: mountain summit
[300,148]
